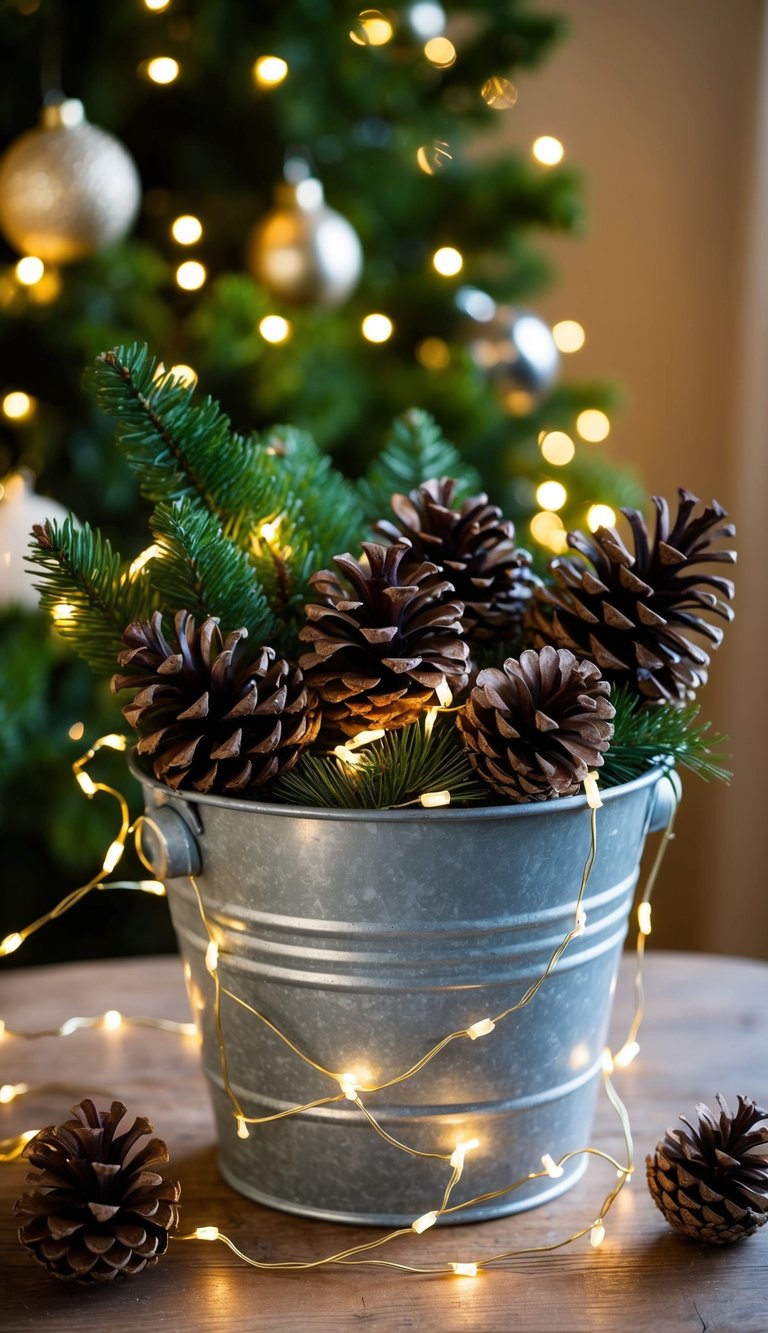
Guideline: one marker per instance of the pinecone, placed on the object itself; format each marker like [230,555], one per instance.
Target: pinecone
[211,715]
[535,729]
[95,1209]
[634,614]
[710,1182]
[381,651]
[475,547]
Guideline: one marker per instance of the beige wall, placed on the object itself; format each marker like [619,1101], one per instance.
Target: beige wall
[660,103]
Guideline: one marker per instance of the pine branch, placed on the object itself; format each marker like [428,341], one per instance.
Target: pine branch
[88,589]
[415,452]
[331,506]
[200,570]
[174,448]
[663,734]
[392,772]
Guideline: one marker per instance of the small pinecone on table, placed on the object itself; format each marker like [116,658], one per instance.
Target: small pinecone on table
[211,715]
[535,729]
[95,1208]
[711,1181]
[634,614]
[476,549]
[382,649]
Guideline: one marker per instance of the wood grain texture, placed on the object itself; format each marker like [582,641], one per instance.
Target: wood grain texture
[706,1031]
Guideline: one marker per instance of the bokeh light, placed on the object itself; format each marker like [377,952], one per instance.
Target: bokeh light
[268,71]
[499,93]
[439,51]
[557,447]
[600,516]
[30,270]
[373,29]
[547,150]
[448,261]
[433,353]
[163,69]
[274,329]
[187,229]
[377,328]
[593,425]
[569,335]
[18,405]
[190,275]
[551,495]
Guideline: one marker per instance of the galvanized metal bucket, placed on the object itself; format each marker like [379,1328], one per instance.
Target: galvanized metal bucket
[366,937]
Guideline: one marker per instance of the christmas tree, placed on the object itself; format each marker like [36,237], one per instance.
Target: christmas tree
[317,239]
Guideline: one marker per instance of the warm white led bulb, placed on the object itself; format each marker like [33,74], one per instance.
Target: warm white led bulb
[481,1028]
[113,1020]
[464,1270]
[114,852]
[443,692]
[207,1233]
[212,957]
[591,792]
[626,1055]
[150,553]
[424,1222]
[644,918]
[550,1166]
[548,150]
[242,1128]
[432,799]
[86,783]
[597,1234]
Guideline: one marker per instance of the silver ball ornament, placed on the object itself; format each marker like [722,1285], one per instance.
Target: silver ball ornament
[426,18]
[20,508]
[67,188]
[304,252]
[514,346]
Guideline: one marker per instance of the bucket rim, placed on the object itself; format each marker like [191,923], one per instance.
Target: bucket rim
[412,814]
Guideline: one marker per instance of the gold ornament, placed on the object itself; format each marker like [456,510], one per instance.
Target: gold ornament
[304,252]
[67,188]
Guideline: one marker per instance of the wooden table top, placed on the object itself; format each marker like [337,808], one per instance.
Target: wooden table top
[706,1031]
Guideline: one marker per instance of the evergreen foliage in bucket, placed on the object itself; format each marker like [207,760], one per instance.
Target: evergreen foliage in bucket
[369,735]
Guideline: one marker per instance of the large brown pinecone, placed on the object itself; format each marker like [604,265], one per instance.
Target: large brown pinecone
[95,1208]
[211,715]
[711,1181]
[635,614]
[475,547]
[535,729]
[382,649]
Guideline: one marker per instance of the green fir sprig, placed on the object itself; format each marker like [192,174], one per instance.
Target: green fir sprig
[660,734]
[392,772]
[197,568]
[88,589]
[415,452]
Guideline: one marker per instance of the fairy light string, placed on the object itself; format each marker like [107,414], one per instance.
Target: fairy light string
[349,1086]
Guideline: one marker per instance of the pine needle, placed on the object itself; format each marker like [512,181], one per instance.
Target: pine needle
[393,772]
[644,736]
